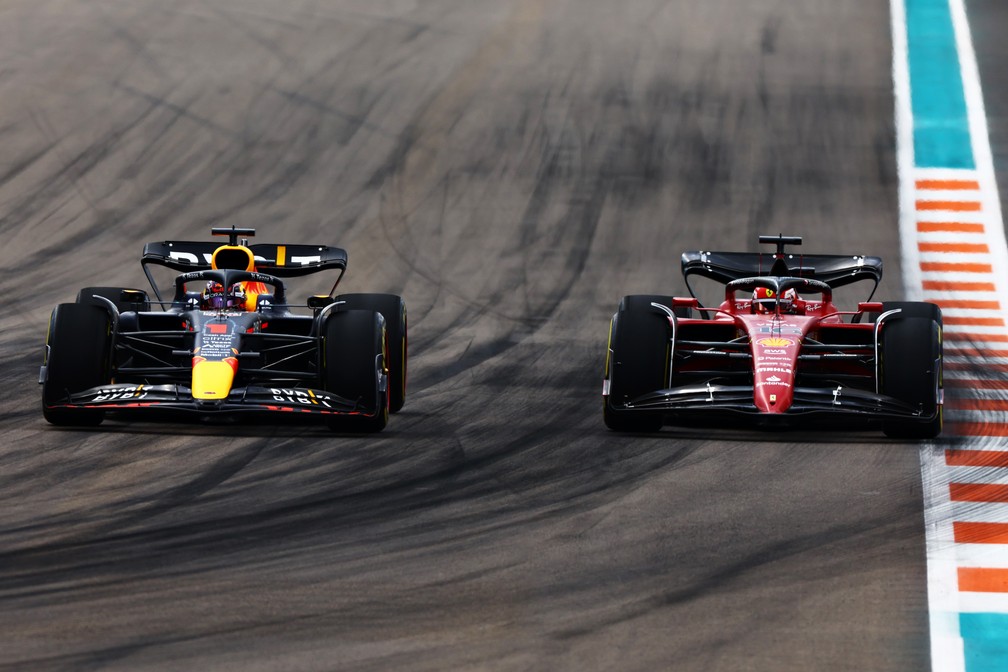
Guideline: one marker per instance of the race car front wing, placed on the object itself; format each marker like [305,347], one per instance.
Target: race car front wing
[178,398]
[738,399]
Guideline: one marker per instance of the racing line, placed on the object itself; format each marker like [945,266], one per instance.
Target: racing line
[955,255]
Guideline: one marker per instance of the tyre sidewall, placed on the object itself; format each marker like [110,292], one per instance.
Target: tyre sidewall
[78,358]
[638,360]
[393,309]
[911,367]
[354,345]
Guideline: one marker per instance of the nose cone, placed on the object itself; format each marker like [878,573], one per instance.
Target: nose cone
[773,396]
[774,361]
[213,379]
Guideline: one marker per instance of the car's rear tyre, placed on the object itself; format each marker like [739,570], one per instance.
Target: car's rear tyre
[911,366]
[78,348]
[637,361]
[114,294]
[393,309]
[354,354]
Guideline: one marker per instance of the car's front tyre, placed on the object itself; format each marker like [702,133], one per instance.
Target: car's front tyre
[354,352]
[77,358]
[911,367]
[637,361]
[393,309]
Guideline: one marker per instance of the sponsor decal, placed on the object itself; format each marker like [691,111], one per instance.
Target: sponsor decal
[297,396]
[774,369]
[776,342]
[773,383]
[189,257]
[780,328]
[774,351]
[115,394]
[260,277]
[216,341]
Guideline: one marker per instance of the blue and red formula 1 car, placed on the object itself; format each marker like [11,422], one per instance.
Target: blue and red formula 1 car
[776,350]
[228,342]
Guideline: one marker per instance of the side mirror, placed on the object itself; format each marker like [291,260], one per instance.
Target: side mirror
[685,303]
[134,299]
[319,301]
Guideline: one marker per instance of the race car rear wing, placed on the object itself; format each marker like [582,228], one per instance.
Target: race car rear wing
[836,270]
[284,261]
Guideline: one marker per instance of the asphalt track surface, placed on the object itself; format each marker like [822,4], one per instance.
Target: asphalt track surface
[511,167]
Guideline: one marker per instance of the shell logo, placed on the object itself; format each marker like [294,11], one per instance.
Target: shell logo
[776,342]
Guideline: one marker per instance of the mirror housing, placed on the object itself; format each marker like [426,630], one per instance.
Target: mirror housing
[319,301]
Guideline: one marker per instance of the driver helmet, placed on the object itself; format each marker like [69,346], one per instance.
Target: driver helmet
[763,300]
[789,301]
[215,298]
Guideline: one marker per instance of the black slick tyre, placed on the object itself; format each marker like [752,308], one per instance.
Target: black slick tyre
[911,367]
[393,309]
[637,362]
[354,354]
[77,358]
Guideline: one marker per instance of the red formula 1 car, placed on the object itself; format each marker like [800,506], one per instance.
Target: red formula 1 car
[776,350]
[228,342]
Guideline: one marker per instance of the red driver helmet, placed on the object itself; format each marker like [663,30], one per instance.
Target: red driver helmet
[764,300]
